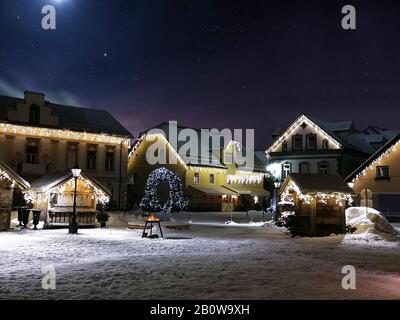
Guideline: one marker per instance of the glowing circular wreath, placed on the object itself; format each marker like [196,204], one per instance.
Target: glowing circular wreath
[176,200]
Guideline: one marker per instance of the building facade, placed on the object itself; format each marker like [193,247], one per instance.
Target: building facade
[377,181]
[39,137]
[314,146]
[220,185]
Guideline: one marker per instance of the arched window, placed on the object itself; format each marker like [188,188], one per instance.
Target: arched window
[34,114]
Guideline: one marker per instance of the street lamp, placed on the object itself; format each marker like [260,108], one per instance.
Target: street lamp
[73,225]
[277,185]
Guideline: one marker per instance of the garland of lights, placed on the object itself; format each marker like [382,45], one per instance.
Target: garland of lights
[62,134]
[39,197]
[382,157]
[300,120]
[245,178]
[176,201]
[321,197]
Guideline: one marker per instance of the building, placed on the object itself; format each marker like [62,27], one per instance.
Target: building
[53,193]
[318,202]
[218,184]
[376,182]
[39,137]
[309,145]
[9,181]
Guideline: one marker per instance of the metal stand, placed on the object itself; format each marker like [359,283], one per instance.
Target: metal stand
[151,236]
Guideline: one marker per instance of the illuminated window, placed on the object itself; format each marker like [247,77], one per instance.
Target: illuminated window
[286,170]
[196,177]
[382,172]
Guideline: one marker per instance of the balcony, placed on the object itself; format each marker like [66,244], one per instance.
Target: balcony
[33,168]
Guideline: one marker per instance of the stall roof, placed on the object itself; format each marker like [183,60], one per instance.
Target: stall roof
[254,192]
[56,178]
[216,190]
[15,177]
[313,183]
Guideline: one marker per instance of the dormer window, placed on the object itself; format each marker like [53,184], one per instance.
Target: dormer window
[34,114]
[311,142]
[297,142]
[284,146]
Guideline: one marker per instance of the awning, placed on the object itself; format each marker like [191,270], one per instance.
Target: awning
[215,190]
[253,193]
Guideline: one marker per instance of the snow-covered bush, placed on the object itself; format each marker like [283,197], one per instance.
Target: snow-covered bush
[287,219]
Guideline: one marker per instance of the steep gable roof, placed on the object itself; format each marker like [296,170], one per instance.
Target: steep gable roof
[392,143]
[314,183]
[13,177]
[324,130]
[72,118]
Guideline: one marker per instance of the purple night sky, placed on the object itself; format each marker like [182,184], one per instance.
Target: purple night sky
[234,64]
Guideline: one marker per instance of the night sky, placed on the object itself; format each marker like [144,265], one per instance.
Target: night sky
[234,64]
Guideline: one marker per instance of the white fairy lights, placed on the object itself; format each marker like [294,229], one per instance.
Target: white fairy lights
[372,165]
[243,177]
[7,128]
[321,197]
[302,119]
[39,198]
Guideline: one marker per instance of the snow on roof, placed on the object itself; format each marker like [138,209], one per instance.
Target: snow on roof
[73,118]
[56,178]
[314,183]
[14,177]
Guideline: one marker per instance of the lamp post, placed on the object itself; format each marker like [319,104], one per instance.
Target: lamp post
[73,225]
[277,185]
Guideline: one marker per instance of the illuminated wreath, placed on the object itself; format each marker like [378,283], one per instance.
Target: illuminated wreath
[176,201]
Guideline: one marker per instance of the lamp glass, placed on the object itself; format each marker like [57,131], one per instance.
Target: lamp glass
[76,172]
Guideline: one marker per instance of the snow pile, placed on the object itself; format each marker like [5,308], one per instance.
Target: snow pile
[370,222]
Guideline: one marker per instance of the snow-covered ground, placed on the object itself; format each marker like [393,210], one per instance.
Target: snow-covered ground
[209,261]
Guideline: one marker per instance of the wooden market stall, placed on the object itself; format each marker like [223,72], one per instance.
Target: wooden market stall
[54,194]
[9,180]
[318,202]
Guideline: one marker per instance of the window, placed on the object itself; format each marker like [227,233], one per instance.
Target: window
[286,170]
[323,168]
[91,160]
[382,172]
[212,178]
[32,154]
[34,114]
[304,167]
[325,144]
[196,177]
[110,161]
[297,142]
[284,146]
[228,158]
[72,155]
[311,141]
